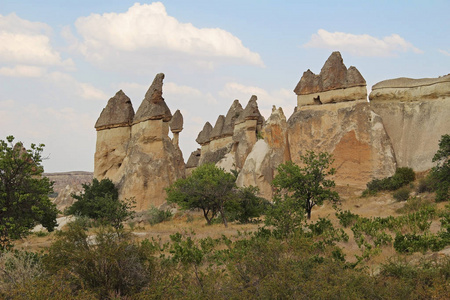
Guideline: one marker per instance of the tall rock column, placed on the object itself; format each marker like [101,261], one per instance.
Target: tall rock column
[113,136]
[152,162]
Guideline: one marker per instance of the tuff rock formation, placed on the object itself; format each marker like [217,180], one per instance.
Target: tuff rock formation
[233,136]
[335,83]
[138,156]
[415,113]
[176,126]
[351,132]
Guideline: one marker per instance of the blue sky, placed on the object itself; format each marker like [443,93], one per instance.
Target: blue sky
[60,61]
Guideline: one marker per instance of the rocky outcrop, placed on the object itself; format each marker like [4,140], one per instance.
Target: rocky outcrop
[335,83]
[415,113]
[176,126]
[407,89]
[261,163]
[65,184]
[113,133]
[351,132]
[149,160]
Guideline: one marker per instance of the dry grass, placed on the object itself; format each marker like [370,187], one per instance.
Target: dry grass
[382,205]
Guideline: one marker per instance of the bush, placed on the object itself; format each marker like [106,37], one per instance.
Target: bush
[402,177]
[100,201]
[247,206]
[109,263]
[155,215]
[346,218]
[426,185]
[402,194]
[414,204]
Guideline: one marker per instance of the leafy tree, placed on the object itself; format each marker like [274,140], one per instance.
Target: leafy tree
[307,186]
[208,189]
[100,201]
[24,200]
[246,205]
[441,172]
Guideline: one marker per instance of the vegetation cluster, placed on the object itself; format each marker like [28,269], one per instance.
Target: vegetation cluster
[289,256]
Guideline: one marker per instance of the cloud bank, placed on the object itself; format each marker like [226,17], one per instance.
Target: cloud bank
[361,45]
[147,29]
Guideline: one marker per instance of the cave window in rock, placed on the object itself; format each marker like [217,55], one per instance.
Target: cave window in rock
[317,100]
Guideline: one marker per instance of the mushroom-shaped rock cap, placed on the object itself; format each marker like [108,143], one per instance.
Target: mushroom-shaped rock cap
[117,113]
[251,111]
[217,130]
[194,159]
[153,107]
[334,72]
[233,114]
[334,75]
[203,136]
[176,124]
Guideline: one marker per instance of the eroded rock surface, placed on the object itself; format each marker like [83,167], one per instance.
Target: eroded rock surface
[352,132]
[141,159]
[335,83]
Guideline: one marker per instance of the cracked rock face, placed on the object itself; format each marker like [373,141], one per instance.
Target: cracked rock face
[118,112]
[153,107]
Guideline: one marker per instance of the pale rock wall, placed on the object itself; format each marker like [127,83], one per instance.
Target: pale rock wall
[407,89]
[415,129]
[244,137]
[257,170]
[111,150]
[350,131]
[333,96]
[152,164]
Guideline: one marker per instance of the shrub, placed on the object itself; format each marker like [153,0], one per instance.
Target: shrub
[402,177]
[402,194]
[100,201]
[108,263]
[155,215]
[246,206]
[426,185]
[414,204]
[346,218]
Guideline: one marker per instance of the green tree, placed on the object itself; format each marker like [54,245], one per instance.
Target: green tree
[24,200]
[307,186]
[246,205]
[208,189]
[100,201]
[441,172]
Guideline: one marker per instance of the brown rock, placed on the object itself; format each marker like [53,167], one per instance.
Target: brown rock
[251,111]
[194,158]
[153,107]
[352,132]
[333,73]
[118,112]
[204,135]
[334,84]
[176,124]
[217,130]
[233,114]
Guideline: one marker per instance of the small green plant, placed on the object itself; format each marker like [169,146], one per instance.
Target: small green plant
[41,233]
[402,194]
[402,177]
[155,215]
[414,204]
[346,218]
[426,185]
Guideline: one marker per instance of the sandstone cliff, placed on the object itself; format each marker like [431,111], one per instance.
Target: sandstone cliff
[415,113]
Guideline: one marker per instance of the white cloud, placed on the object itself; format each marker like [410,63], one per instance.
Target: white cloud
[148,29]
[360,45]
[447,53]
[22,71]
[266,99]
[27,43]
